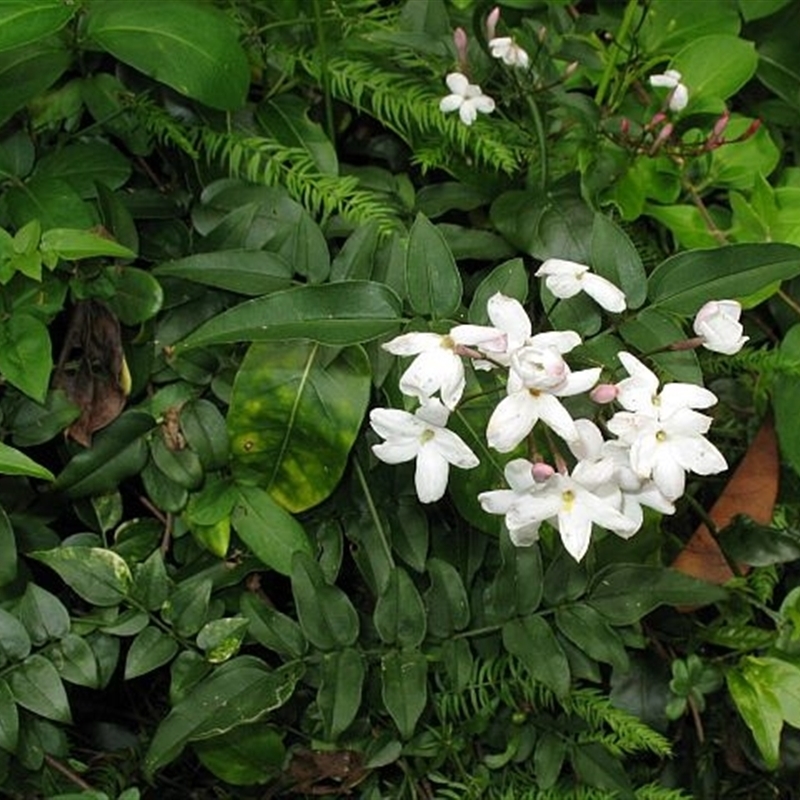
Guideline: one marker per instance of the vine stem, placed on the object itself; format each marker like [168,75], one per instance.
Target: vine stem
[704,213]
[67,773]
[611,64]
[790,301]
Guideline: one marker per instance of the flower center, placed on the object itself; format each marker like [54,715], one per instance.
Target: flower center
[568,498]
[661,436]
[426,435]
[447,342]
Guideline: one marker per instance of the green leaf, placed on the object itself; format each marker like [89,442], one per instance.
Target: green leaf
[238,693]
[25,354]
[346,312]
[518,584]
[73,245]
[399,614]
[588,630]
[328,618]
[248,272]
[220,639]
[9,719]
[99,576]
[432,278]
[667,26]
[83,165]
[615,258]
[137,295]
[268,530]
[181,466]
[745,164]
[253,754]
[784,399]
[33,423]
[295,412]
[13,462]
[51,201]
[339,694]
[36,685]
[271,628]
[43,615]
[532,640]
[23,22]
[596,766]
[75,661]
[15,644]
[684,282]
[446,599]
[27,71]
[117,452]
[509,278]
[151,649]
[747,542]
[203,60]
[151,584]
[188,606]
[761,711]
[624,593]
[404,688]
[356,259]
[548,758]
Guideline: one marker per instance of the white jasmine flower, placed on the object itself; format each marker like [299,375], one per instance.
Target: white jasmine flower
[717,322]
[438,366]
[509,52]
[519,474]
[465,97]
[567,278]
[421,436]
[508,315]
[671,79]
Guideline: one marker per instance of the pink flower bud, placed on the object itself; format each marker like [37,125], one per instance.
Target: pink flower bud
[657,120]
[491,22]
[754,126]
[604,393]
[663,136]
[720,125]
[541,472]
[460,41]
[625,126]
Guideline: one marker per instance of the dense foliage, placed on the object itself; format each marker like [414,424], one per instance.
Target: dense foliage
[222,222]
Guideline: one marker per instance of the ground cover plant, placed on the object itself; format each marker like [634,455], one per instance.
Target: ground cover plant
[398,399]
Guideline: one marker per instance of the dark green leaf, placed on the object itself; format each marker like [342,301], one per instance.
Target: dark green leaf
[83,165]
[203,60]
[271,628]
[187,606]
[399,615]
[339,694]
[784,399]
[518,584]
[151,649]
[25,354]
[509,278]
[548,758]
[404,688]
[13,462]
[747,542]
[356,259]
[240,692]
[432,277]
[26,21]
[446,599]
[532,640]
[181,466]
[588,630]
[37,686]
[245,756]
[137,296]
[347,312]
[596,766]
[51,201]
[9,719]
[75,661]
[34,423]
[295,412]
[615,257]
[221,639]
[15,644]
[151,584]
[99,576]
[43,615]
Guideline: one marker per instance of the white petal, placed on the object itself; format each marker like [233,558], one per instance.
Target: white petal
[524,535]
[489,339]
[698,455]
[575,528]
[511,421]
[483,103]
[669,477]
[684,395]
[610,297]
[393,423]
[645,453]
[433,370]
[578,382]
[453,448]
[508,314]
[519,475]
[450,103]
[589,442]
[411,344]
[468,112]
[563,341]
[396,451]
[497,501]
[560,266]
[430,477]
[457,83]
[563,286]
[679,98]
[603,512]
[555,416]
[667,80]
[434,412]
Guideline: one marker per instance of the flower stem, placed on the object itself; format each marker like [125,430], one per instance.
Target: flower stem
[790,301]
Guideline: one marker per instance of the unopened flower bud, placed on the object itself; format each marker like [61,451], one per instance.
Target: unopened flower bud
[460,41]
[720,125]
[751,130]
[542,34]
[663,136]
[656,120]
[625,126]
[541,472]
[571,69]
[604,393]
[491,22]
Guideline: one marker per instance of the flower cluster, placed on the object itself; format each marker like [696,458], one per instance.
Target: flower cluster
[653,439]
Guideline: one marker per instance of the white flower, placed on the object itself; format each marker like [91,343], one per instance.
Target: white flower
[509,52]
[466,97]
[717,322]
[671,79]
[421,435]
[519,476]
[438,365]
[508,315]
[567,278]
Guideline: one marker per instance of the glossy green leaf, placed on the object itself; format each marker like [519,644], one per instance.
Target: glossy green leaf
[399,615]
[117,452]
[73,245]
[746,542]
[29,70]
[532,640]
[151,649]
[433,281]
[509,278]
[782,678]
[151,583]
[761,711]
[596,766]
[624,593]
[14,462]
[163,492]
[43,615]
[248,272]
[519,582]
[272,629]
[240,692]
[404,688]
[26,360]
[686,281]
[187,606]
[51,201]
[784,399]
[268,529]
[356,259]
[747,163]
[15,643]
[587,629]
[36,685]
[339,694]
[446,599]
[83,165]
[347,312]
[23,22]
[245,756]
[9,719]
[99,576]
[295,411]
[182,466]
[615,258]
[75,661]
[220,639]
[328,618]
[137,296]
[203,60]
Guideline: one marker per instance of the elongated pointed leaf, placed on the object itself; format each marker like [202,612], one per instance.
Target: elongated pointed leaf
[347,312]
[151,649]
[404,688]
[242,691]
[446,599]
[339,694]
[761,711]
[532,640]
[99,576]
[13,462]
[9,719]
[294,414]
[72,245]
[400,613]
[26,359]
[37,686]
[26,21]
[202,60]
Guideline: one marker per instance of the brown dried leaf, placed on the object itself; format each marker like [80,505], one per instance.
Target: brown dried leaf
[752,490]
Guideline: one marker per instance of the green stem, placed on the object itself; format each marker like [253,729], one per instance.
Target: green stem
[373,512]
[322,43]
[790,301]
[611,63]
